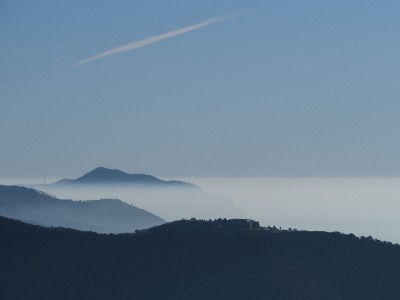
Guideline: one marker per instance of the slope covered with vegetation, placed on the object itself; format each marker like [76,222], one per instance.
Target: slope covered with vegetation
[222,259]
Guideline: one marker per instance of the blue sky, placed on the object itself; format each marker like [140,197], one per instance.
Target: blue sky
[283,88]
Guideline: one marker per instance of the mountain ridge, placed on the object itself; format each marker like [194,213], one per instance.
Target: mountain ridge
[104,215]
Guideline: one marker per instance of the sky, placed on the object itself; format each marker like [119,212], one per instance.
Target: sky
[217,88]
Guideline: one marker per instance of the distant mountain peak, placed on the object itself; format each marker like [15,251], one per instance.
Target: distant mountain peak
[104,170]
[103,175]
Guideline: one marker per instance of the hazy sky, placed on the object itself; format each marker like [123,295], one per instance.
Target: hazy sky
[280,88]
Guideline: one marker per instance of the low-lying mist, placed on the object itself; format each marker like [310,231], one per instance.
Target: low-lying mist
[366,206]
[169,203]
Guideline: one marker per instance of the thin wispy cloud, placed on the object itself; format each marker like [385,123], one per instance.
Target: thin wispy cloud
[149,40]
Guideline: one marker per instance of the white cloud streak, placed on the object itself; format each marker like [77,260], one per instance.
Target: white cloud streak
[149,40]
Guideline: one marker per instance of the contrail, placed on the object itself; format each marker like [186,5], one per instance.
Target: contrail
[150,40]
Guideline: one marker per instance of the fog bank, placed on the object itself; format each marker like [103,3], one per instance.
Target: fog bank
[360,205]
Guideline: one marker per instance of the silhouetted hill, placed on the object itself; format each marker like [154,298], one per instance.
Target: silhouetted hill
[195,260]
[105,216]
[103,176]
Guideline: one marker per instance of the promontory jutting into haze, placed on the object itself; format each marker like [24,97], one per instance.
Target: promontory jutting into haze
[104,216]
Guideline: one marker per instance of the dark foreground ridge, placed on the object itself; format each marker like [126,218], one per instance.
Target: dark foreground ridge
[222,259]
[104,216]
[103,176]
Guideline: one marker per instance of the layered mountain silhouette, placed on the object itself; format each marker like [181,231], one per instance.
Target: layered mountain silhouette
[104,216]
[222,259]
[104,176]
[171,200]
